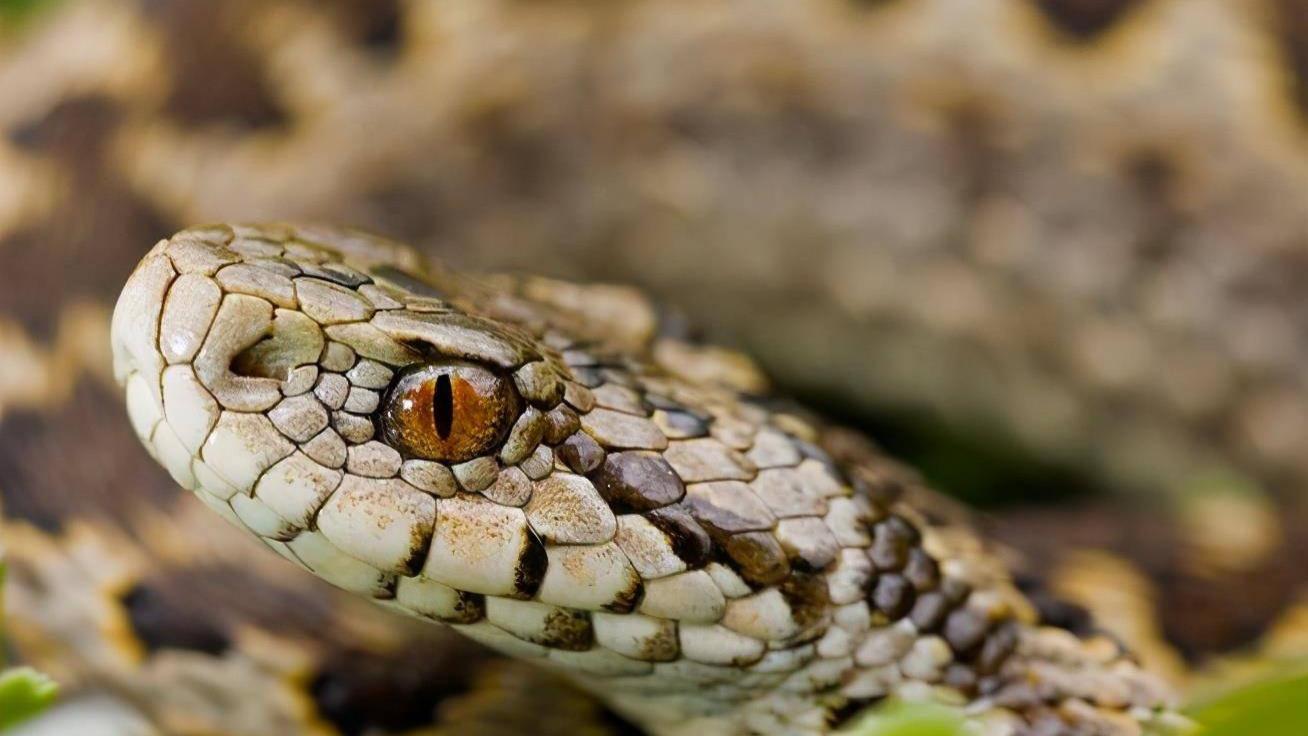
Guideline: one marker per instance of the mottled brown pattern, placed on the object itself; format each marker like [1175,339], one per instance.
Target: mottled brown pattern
[1236,606]
[112,481]
[203,606]
[217,78]
[86,242]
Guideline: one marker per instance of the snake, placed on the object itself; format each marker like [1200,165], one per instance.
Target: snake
[528,463]
[897,211]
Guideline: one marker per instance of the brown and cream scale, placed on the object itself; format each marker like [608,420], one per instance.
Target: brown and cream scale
[533,464]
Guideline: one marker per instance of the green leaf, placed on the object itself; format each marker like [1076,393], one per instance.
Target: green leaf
[15,13]
[1273,707]
[24,692]
[908,719]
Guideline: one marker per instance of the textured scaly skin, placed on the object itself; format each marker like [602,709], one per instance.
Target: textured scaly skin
[704,557]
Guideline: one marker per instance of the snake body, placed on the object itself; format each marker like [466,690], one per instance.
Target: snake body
[704,556]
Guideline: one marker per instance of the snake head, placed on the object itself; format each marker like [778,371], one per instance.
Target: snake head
[325,391]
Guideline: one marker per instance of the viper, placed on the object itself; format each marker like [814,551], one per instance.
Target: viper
[528,463]
[898,209]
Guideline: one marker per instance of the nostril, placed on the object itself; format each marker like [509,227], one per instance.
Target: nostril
[252,363]
[293,340]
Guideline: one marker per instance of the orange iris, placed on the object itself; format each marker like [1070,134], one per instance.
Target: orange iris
[450,412]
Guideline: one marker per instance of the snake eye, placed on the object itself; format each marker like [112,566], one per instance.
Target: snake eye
[450,412]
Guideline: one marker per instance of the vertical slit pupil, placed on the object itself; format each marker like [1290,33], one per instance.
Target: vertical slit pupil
[443,407]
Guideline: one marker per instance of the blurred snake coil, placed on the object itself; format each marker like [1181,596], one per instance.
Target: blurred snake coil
[1051,252]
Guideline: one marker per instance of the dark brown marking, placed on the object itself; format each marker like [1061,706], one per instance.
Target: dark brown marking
[1083,20]
[377,25]
[1001,643]
[720,519]
[811,559]
[1052,610]
[160,617]
[1156,178]
[687,538]
[468,609]
[76,128]
[532,562]
[635,482]
[662,647]
[216,76]
[199,606]
[893,596]
[921,570]
[808,598]
[965,630]
[581,453]
[364,692]
[560,424]
[882,489]
[929,611]
[892,538]
[1292,25]
[757,557]
[567,629]
[627,600]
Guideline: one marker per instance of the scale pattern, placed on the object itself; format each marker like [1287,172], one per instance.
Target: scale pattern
[700,554]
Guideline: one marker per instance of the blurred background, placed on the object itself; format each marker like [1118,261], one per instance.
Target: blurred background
[1052,252]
